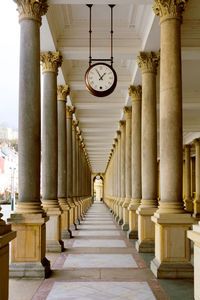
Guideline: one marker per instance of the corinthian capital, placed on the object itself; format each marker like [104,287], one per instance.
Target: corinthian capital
[62,92]
[128,112]
[166,9]
[31,9]
[51,61]
[70,110]
[148,61]
[75,124]
[122,124]
[135,92]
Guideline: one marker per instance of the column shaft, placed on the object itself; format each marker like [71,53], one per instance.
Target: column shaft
[27,254]
[50,63]
[148,61]
[128,183]
[171,220]
[188,199]
[122,169]
[62,92]
[136,94]
[197,179]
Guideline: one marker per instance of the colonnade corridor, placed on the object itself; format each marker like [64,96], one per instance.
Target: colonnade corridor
[99,263]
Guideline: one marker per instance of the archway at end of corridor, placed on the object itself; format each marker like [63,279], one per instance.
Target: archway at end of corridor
[98,188]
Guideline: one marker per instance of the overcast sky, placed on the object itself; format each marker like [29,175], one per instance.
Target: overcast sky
[9,53]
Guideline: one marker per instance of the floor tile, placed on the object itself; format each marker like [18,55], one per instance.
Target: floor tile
[100,261]
[98,233]
[99,243]
[101,291]
[96,226]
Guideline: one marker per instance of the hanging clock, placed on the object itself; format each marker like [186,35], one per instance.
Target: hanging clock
[100,79]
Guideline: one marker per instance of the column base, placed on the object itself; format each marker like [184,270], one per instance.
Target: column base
[73,227]
[125,227]
[66,234]
[30,270]
[146,229]
[133,219]
[117,218]
[28,249]
[172,248]
[6,235]
[55,246]
[132,234]
[194,235]
[170,270]
[53,227]
[145,247]
[120,222]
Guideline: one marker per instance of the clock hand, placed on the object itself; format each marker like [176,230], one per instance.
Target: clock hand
[101,78]
[98,74]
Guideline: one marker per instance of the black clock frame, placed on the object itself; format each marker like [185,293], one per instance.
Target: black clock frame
[100,93]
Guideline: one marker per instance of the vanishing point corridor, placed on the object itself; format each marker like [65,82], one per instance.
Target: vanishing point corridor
[99,263]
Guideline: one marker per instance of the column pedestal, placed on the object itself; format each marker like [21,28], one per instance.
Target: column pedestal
[6,235]
[65,209]
[133,219]
[120,221]
[146,228]
[194,235]
[53,228]
[172,248]
[28,249]
[125,226]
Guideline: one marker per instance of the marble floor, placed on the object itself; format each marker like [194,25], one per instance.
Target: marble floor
[99,263]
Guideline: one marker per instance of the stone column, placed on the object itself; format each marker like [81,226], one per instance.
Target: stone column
[148,62]
[119,175]
[74,160]
[197,179]
[50,63]
[172,248]
[122,168]
[62,92]
[116,178]
[28,249]
[135,93]
[128,116]
[188,199]
[69,112]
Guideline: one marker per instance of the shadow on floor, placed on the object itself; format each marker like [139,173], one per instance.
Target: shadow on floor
[177,289]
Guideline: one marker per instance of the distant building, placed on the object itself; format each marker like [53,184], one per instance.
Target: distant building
[8,134]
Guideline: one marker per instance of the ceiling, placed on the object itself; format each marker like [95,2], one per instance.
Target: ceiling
[136,28]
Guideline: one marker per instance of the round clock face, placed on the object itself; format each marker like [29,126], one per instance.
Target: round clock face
[101,79]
